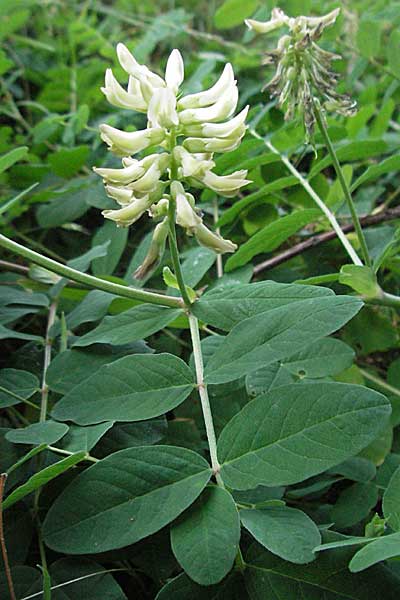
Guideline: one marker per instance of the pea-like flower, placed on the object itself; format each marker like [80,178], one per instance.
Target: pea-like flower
[187,130]
[303,69]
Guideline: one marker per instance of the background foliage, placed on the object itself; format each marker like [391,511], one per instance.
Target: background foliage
[53,56]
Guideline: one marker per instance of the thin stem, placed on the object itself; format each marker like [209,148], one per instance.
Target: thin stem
[88,457]
[88,280]
[18,397]
[379,382]
[47,359]
[3,478]
[347,194]
[173,246]
[203,393]
[220,268]
[385,299]
[311,192]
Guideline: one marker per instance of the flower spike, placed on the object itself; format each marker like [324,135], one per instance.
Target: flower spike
[303,69]
[188,131]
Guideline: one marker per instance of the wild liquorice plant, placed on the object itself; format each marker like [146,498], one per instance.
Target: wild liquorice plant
[283,434]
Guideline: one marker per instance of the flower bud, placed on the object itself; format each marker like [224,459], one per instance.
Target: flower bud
[117,96]
[278,19]
[213,240]
[185,214]
[220,110]
[129,214]
[126,175]
[210,96]
[123,142]
[162,109]
[174,72]
[121,195]
[190,164]
[213,144]
[225,185]
[156,250]
[233,127]
[140,72]
[149,180]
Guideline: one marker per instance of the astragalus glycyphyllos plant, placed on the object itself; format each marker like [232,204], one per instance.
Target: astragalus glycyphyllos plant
[229,511]
[188,130]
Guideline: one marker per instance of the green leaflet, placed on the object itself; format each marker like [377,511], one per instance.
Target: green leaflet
[205,538]
[117,237]
[83,438]
[183,588]
[285,531]
[88,585]
[391,501]
[48,432]
[71,367]
[354,504]
[134,324]
[385,547]
[272,336]
[300,431]
[351,151]
[124,498]
[328,356]
[133,388]
[233,12]
[327,578]
[42,477]
[7,160]
[271,236]
[224,308]
[16,384]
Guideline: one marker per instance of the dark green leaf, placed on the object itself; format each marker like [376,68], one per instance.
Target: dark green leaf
[301,431]
[227,306]
[285,531]
[277,334]
[133,388]
[124,498]
[205,538]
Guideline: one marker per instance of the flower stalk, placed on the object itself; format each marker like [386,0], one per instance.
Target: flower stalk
[346,191]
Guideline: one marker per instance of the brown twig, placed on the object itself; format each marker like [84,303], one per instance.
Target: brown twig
[3,478]
[15,267]
[316,240]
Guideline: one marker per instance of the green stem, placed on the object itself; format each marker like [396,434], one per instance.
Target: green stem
[88,457]
[385,299]
[88,280]
[173,246]
[379,382]
[356,221]
[47,359]
[18,397]
[313,194]
[203,393]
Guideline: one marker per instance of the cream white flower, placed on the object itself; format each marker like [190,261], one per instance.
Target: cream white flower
[162,109]
[210,96]
[188,130]
[212,240]
[174,71]
[123,143]
[185,214]
[156,250]
[130,213]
